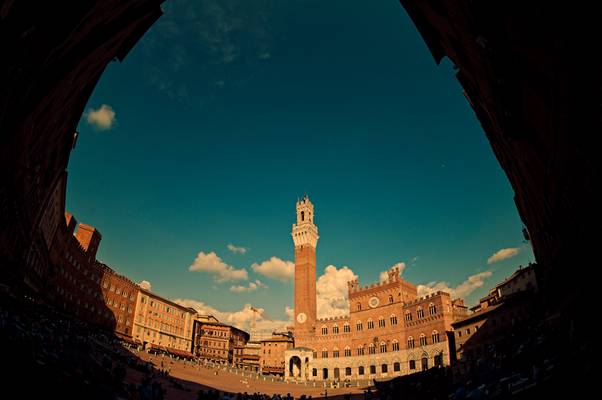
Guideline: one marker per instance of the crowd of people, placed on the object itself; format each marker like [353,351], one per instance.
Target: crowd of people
[217,395]
[50,354]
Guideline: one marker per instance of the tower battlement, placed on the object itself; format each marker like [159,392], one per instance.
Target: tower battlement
[305,232]
[354,287]
[426,298]
[339,318]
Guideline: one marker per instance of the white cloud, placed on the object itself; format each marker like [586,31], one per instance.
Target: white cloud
[146,285]
[102,118]
[253,286]
[464,289]
[211,263]
[242,318]
[275,268]
[236,249]
[503,254]
[384,276]
[332,291]
[199,306]
[471,284]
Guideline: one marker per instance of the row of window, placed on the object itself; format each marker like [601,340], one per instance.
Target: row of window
[384,368]
[162,325]
[118,290]
[214,333]
[214,344]
[467,331]
[359,326]
[423,340]
[420,312]
[358,306]
[65,272]
[163,307]
[73,280]
[383,346]
[116,304]
[176,322]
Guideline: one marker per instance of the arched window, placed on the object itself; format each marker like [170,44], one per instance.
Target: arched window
[432,309]
[360,370]
[358,306]
[371,349]
[346,327]
[358,326]
[408,316]
[420,312]
[302,215]
[412,364]
[410,342]
[384,368]
[393,319]
[422,339]
[335,353]
[348,371]
[324,330]
[390,299]
[381,322]
[314,372]
[372,369]
[383,347]
[335,329]
[324,353]
[360,350]
[395,345]
[435,337]
[396,367]
[370,324]
[347,351]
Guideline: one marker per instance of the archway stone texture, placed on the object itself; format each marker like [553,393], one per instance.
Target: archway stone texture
[53,54]
[532,72]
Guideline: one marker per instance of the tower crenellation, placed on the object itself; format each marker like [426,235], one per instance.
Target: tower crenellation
[305,232]
[393,277]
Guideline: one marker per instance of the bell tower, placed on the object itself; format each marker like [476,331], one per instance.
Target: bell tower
[305,237]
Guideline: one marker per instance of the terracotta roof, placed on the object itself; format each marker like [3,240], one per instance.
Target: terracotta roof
[478,314]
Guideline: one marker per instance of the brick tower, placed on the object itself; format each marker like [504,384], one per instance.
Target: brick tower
[305,237]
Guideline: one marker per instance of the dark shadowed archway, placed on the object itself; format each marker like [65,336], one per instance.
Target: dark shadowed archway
[294,368]
[533,86]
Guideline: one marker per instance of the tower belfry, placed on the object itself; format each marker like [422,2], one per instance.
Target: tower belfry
[305,237]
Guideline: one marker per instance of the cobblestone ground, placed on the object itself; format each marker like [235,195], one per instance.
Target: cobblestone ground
[195,378]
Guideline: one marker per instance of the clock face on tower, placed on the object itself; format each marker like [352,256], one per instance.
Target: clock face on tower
[301,317]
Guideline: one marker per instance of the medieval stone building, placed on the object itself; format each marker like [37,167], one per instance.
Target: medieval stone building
[389,331]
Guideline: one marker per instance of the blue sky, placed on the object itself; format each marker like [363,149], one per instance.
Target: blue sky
[227,111]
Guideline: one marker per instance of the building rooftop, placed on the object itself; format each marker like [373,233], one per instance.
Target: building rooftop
[277,339]
[476,315]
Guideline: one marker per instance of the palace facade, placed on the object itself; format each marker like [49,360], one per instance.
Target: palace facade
[219,343]
[390,331]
